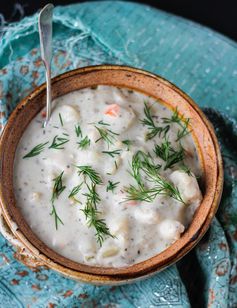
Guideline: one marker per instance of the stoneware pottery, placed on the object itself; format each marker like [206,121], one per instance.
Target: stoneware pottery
[141,81]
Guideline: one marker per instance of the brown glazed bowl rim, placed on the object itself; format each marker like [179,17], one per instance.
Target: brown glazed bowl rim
[173,253]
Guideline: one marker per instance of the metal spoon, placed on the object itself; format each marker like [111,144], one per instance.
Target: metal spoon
[45,34]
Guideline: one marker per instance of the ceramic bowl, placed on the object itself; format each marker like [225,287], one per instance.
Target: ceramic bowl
[149,84]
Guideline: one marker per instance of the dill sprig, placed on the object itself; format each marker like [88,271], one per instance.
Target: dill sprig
[57,219]
[101,122]
[78,131]
[111,186]
[84,143]
[142,163]
[112,153]
[74,192]
[138,193]
[181,121]
[107,135]
[187,170]
[149,122]
[184,131]
[58,142]
[36,150]
[136,168]
[128,143]
[61,119]
[92,215]
[88,171]
[58,188]
[168,154]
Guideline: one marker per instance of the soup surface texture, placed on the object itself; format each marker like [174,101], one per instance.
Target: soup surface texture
[111,180]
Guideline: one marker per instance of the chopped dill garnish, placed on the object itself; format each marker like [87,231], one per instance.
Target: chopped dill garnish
[168,154]
[78,131]
[139,193]
[187,170]
[58,188]
[36,150]
[107,135]
[128,143]
[112,153]
[65,134]
[84,143]
[57,219]
[181,121]
[74,192]
[184,131]
[116,166]
[174,118]
[61,119]
[111,186]
[149,122]
[58,142]
[142,163]
[101,122]
[92,215]
[136,167]
[88,171]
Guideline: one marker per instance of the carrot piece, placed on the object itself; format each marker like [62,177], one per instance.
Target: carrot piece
[112,110]
[43,114]
[131,202]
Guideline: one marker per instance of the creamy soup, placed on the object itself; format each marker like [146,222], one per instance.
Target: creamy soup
[111,180]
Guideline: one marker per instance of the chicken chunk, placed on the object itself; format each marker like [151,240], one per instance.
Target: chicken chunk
[68,114]
[170,229]
[187,185]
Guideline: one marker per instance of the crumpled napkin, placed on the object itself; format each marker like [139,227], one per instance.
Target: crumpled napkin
[203,64]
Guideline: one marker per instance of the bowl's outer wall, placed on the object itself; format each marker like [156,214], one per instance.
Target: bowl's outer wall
[149,84]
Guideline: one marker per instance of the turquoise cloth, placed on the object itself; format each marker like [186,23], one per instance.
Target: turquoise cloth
[203,64]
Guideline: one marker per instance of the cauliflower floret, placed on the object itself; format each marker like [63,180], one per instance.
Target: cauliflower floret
[88,248]
[146,215]
[110,250]
[119,225]
[55,163]
[68,114]
[187,185]
[170,229]
[93,135]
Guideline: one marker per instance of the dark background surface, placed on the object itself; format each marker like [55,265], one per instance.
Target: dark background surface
[216,14]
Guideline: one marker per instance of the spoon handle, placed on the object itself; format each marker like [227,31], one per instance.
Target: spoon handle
[45,34]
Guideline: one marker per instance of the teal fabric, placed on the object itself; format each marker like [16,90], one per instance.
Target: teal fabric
[203,64]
